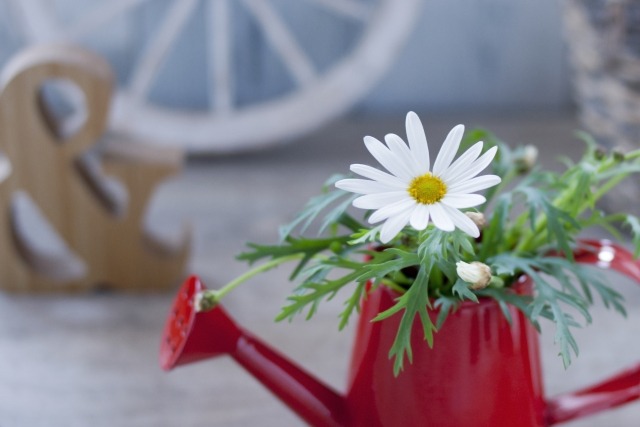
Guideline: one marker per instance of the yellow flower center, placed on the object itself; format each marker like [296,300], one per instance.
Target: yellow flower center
[427,189]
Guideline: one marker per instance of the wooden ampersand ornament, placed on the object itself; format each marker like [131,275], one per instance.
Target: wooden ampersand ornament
[48,171]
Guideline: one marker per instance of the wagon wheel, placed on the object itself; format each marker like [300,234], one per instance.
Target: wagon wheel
[224,125]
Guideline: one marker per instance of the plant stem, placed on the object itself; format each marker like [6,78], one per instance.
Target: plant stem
[633,155]
[609,185]
[211,297]
[349,222]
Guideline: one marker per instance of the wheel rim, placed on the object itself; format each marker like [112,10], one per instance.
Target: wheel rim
[316,99]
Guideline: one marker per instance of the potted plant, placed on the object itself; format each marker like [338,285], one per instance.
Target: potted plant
[431,255]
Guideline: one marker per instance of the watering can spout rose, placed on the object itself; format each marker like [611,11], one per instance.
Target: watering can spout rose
[483,371]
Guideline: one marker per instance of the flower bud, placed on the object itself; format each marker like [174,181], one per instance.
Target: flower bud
[527,159]
[618,155]
[600,153]
[477,274]
[477,218]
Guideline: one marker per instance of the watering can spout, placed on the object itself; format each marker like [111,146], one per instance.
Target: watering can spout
[190,336]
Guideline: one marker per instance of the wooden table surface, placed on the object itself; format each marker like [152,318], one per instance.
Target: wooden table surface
[91,360]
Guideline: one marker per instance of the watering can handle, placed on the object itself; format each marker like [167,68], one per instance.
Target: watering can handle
[624,386]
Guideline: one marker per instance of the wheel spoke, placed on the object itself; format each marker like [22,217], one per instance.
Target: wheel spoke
[282,41]
[98,17]
[155,52]
[219,56]
[348,8]
[39,26]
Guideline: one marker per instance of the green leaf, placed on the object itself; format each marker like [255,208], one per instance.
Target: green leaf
[352,304]
[364,236]
[589,280]
[560,226]
[634,223]
[316,205]
[461,244]
[506,298]
[433,243]
[548,300]
[462,289]
[589,141]
[581,180]
[445,306]
[309,248]
[380,265]
[414,302]
[624,168]
[598,218]
[494,233]
[313,294]
[503,266]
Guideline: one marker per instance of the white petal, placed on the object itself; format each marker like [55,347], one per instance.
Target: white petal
[378,200]
[378,175]
[418,142]
[448,150]
[420,217]
[364,186]
[462,201]
[386,158]
[462,163]
[440,218]
[391,210]
[393,226]
[402,152]
[474,184]
[478,166]
[462,221]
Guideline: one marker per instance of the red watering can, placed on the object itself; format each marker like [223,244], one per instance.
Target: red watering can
[482,371]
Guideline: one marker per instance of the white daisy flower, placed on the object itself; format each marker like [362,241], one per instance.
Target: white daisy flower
[413,192]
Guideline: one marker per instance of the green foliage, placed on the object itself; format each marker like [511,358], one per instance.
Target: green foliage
[634,223]
[445,306]
[308,248]
[462,291]
[556,221]
[558,294]
[337,215]
[414,302]
[534,219]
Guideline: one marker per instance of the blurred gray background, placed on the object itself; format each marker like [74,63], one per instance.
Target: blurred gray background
[484,54]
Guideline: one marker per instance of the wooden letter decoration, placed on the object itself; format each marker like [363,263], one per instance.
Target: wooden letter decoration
[63,227]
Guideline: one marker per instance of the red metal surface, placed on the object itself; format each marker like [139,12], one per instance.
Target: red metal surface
[189,337]
[312,400]
[621,388]
[482,370]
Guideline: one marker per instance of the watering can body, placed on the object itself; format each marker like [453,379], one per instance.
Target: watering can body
[482,370]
